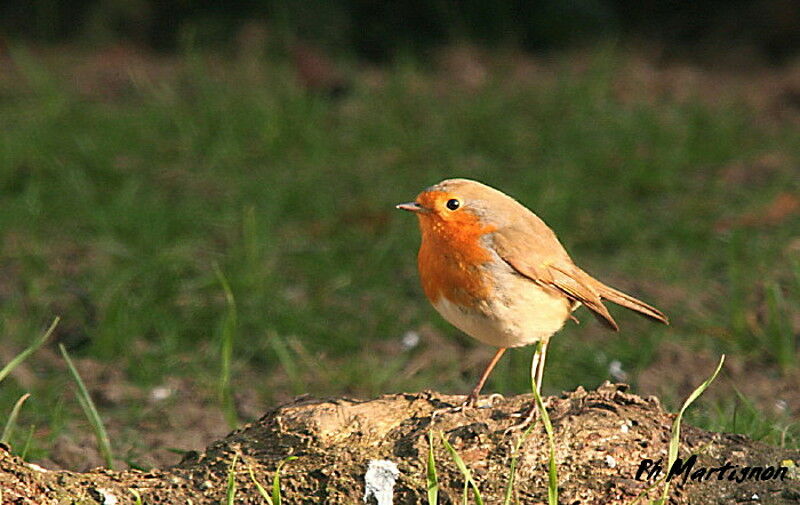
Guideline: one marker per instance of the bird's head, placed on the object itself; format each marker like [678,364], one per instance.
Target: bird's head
[463,204]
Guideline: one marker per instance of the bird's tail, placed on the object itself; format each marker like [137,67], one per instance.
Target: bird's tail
[629,302]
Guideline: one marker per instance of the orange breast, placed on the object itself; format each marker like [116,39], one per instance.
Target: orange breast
[451,260]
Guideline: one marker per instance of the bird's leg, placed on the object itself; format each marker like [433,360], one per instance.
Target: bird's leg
[472,399]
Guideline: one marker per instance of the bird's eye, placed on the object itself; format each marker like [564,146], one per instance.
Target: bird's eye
[453,204]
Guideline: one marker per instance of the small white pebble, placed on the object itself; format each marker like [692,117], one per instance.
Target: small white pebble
[379,481]
[108,497]
[624,428]
[610,461]
[616,371]
[410,340]
[755,497]
[34,466]
[160,393]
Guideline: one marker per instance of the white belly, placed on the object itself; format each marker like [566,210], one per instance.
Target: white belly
[529,315]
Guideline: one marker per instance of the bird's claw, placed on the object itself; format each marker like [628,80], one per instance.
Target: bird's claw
[470,402]
[473,401]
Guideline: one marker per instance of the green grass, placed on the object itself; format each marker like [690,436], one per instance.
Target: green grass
[8,429]
[230,489]
[227,340]
[276,497]
[19,358]
[137,496]
[675,437]
[431,478]
[11,421]
[469,482]
[512,467]
[90,410]
[116,211]
[552,470]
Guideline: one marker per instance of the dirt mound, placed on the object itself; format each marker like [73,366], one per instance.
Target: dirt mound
[602,438]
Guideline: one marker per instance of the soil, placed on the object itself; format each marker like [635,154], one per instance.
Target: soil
[601,438]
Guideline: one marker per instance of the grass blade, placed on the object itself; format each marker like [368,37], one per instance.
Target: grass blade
[90,410]
[552,472]
[230,491]
[259,487]
[464,470]
[276,498]
[781,337]
[675,438]
[19,358]
[286,360]
[276,481]
[513,467]
[431,478]
[27,444]
[228,335]
[137,497]
[12,419]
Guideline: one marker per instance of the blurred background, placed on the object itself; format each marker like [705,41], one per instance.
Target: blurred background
[204,192]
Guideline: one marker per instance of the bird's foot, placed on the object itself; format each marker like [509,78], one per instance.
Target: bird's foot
[473,400]
[470,402]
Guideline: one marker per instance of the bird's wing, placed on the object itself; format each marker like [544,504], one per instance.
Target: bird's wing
[534,252]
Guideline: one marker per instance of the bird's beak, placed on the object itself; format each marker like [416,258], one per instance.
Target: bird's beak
[410,206]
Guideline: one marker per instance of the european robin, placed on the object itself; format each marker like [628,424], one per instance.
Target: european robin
[496,271]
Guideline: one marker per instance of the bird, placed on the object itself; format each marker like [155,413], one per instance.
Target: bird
[494,270]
